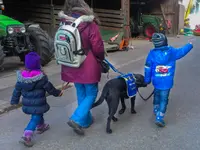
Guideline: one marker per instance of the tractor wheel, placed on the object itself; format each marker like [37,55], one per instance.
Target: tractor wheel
[2,55]
[42,44]
[149,30]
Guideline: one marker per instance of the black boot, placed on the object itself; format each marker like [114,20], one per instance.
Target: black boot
[77,129]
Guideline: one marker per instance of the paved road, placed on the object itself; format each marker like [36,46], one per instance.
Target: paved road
[8,76]
[132,132]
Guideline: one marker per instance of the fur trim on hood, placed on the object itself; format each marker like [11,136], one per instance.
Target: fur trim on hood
[22,79]
[85,18]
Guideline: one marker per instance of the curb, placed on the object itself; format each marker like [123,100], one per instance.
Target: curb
[7,107]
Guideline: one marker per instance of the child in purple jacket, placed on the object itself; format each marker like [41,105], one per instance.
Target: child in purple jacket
[33,84]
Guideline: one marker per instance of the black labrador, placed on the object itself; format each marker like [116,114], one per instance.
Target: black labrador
[114,90]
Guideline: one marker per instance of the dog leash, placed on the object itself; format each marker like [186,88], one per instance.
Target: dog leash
[145,99]
[62,87]
[65,85]
[117,71]
[113,68]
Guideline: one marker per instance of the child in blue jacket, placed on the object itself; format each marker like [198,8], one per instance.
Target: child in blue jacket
[32,84]
[160,68]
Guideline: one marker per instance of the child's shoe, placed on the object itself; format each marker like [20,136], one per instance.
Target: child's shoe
[42,128]
[160,120]
[27,138]
[155,109]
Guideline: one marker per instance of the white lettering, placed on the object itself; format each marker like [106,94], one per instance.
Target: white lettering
[162,75]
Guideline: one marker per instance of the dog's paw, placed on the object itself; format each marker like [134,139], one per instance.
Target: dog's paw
[114,119]
[133,112]
[121,111]
[109,131]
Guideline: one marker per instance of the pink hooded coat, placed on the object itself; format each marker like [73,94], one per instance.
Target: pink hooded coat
[90,70]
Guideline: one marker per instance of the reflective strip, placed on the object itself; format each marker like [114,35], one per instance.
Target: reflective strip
[147,67]
[163,75]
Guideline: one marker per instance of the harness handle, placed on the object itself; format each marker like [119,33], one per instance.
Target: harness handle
[117,71]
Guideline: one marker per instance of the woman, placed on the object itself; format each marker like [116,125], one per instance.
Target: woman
[87,76]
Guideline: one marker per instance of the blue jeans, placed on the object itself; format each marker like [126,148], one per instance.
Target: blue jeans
[35,120]
[161,99]
[86,94]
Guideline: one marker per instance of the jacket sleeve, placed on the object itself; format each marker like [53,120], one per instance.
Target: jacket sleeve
[16,95]
[48,86]
[96,42]
[181,52]
[148,69]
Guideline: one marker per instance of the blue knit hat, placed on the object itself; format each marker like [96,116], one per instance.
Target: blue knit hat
[159,40]
[32,61]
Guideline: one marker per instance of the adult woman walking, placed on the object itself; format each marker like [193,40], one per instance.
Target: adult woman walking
[87,76]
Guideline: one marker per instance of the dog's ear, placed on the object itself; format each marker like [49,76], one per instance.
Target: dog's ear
[140,80]
[139,77]
[141,85]
[144,84]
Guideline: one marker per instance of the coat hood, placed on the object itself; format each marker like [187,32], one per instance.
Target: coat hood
[70,19]
[28,83]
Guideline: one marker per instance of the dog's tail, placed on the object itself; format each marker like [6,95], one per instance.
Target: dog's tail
[102,97]
[99,102]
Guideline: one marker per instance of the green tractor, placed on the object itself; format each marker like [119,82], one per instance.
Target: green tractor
[147,25]
[17,39]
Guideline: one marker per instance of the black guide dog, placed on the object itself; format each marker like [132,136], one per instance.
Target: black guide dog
[114,90]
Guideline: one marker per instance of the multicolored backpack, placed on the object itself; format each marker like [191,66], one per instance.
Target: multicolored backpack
[68,46]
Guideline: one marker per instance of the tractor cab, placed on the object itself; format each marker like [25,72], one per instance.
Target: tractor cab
[145,23]
[17,39]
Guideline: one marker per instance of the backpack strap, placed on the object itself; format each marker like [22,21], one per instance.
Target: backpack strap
[81,19]
[75,24]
